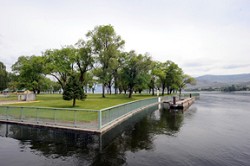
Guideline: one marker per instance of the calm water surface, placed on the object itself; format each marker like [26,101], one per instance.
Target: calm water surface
[213,131]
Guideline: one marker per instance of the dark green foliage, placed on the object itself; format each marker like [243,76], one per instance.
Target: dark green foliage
[73,90]
[106,45]
[59,63]
[30,72]
[230,88]
[3,77]
[135,72]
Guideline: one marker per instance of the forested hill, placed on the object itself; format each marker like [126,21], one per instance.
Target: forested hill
[206,82]
[238,78]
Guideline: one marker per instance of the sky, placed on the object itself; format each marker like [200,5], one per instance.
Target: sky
[201,36]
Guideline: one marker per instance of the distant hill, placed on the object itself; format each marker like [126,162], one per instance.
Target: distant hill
[237,78]
[219,81]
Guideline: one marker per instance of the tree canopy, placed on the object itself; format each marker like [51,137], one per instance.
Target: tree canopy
[99,59]
[135,71]
[3,76]
[30,72]
[106,45]
[73,90]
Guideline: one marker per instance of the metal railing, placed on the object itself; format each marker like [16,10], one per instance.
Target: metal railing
[78,118]
[108,115]
[74,118]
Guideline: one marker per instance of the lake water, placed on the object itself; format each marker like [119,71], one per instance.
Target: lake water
[215,130]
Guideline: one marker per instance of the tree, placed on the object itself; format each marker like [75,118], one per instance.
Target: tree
[105,44]
[183,80]
[47,85]
[3,76]
[153,78]
[172,74]
[73,90]
[12,81]
[60,63]
[160,71]
[83,59]
[117,67]
[142,82]
[30,72]
[135,70]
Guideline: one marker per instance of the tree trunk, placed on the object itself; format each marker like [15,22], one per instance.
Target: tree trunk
[110,91]
[180,93]
[116,87]
[103,91]
[168,90]
[153,91]
[74,102]
[130,93]
[163,89]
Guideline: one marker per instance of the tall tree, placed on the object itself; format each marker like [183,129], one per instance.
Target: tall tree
[135,70]
[105,43]
[173,73]
[152,78]
[30,72]
[60,63]
[3,76]
[160,71]
[83,59]
[119,81]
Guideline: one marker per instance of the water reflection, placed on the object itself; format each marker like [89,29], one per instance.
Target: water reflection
[169,123]
[137,133]
[52,143]
[140,136]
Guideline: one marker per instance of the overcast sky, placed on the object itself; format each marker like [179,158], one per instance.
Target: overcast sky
[201,36]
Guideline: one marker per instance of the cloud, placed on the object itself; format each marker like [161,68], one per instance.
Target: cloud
[202,37]
[193,64]
[1,39]
[233,66]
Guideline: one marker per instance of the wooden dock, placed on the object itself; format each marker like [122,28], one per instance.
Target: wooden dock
[180,104]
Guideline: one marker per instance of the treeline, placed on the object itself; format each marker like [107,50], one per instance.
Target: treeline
[99,59]
[233,88]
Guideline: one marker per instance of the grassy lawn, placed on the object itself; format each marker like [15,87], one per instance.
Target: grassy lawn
[8,97]
[92,102]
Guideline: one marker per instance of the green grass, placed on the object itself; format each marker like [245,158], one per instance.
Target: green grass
[93,101]
[8,97]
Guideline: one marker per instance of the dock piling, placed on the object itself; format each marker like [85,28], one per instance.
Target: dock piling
[174,100]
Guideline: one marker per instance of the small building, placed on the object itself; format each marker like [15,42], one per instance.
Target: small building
[6,91]
[26,96]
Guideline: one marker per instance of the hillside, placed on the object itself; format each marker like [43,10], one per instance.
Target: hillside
[220,81]
[238,78]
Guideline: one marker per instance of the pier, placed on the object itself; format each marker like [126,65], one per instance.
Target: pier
[179,104]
